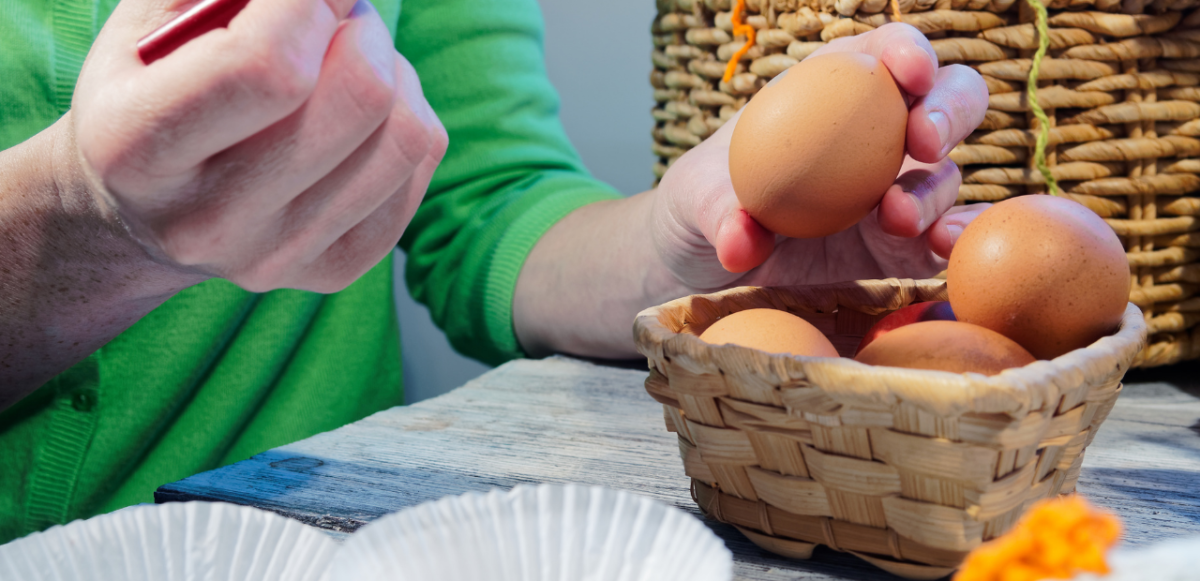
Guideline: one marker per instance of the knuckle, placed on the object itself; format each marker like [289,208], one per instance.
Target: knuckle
[440,144]
[261,276]
[251,284]
[356,252]
[334,272]
[411,138]
[372,95]
[276,76]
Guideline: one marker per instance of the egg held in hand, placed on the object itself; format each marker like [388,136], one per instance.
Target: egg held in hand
[914,313]
[769,330]
[813,152]
[946,346]
[1041,270]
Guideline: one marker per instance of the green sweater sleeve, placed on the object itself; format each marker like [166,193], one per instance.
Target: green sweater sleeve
[509,173]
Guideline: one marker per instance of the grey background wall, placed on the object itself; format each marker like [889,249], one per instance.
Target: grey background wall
[598,57]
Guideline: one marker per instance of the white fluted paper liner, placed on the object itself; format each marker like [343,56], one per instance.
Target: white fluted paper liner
[536,533]
[1170,560]
[179,541]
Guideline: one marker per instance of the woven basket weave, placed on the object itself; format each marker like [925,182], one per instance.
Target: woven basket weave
[1120,85]
[908,469]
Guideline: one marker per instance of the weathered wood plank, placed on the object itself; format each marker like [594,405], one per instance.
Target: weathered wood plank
[1145,461]
[563,420]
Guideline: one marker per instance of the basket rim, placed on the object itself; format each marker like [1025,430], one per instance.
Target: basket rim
[1014,392]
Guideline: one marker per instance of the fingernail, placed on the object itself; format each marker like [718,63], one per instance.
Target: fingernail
[955,231]
[917,208]
[942,123]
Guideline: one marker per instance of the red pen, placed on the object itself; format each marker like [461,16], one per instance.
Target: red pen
[203,17]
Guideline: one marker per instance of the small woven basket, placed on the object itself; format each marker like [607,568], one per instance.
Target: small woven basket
[1120,86]
[907,469]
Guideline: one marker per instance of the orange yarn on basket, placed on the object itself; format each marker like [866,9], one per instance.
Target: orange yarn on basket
[1057,539]
[739,27]
[738,17]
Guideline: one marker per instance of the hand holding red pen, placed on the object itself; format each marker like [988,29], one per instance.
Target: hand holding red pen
[289,149]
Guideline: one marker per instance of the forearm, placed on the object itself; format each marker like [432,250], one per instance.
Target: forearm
[588,277]
[71,277]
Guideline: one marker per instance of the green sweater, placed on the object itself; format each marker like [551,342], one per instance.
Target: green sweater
[218,374]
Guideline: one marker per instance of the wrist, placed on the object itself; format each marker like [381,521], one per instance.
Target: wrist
[112,241]
[73,277]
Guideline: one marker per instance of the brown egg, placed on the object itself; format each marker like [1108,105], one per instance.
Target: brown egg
[945,346]
[814,152]
[769,330]
[1043,271]
[914,313]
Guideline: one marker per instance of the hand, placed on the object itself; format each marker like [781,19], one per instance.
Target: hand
[289,150]
[709,242]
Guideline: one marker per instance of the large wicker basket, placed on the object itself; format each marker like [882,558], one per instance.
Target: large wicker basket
[908,469]
[1120,86]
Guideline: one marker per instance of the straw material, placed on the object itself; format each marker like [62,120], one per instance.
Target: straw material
[1119,85]
[909,469]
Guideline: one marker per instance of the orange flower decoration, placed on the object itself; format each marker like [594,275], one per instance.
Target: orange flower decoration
[1056,539]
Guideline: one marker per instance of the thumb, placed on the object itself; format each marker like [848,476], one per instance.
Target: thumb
[704,191]
[741,242]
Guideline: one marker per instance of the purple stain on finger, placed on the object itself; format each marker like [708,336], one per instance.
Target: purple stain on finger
[919,182]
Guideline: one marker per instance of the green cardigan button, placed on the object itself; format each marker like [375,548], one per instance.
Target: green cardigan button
[83,401]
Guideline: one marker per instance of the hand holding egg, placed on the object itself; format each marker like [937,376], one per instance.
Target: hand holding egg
[707,240]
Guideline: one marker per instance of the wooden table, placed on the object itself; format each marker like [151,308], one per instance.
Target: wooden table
[564,420]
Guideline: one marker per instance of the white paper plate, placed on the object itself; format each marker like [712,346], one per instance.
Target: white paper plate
[1171,560]
[179,541]
[536,533]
